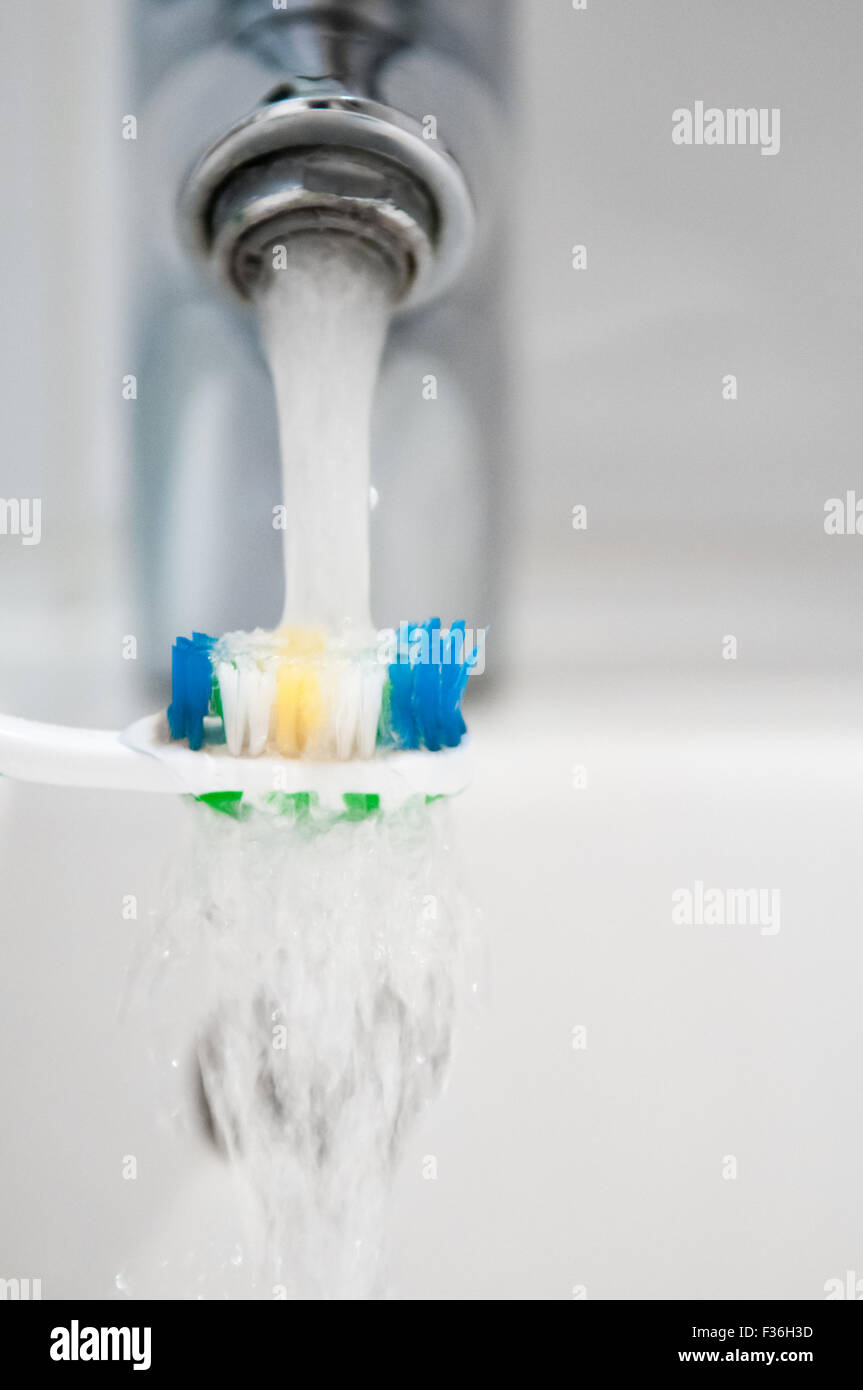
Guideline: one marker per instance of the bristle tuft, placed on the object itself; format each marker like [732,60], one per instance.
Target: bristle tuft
[290,694]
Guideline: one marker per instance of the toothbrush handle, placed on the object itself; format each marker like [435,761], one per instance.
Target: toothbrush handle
[143,759]
[65,757]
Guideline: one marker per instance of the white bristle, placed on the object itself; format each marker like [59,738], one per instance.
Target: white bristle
[247,699]
[259,706]
[370,710]
[233,714]
[346,714]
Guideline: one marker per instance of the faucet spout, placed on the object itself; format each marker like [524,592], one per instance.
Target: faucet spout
[320,150]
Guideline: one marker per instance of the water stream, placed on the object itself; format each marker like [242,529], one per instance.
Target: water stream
[324,314]
[324,953]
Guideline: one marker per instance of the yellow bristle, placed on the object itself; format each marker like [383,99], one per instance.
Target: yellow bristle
[299,706]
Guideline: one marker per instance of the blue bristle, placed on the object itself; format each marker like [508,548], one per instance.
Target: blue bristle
[427,689]
[426,686]
[452,725]
[177,707]
[191,684]
[403,727]
[453,680]
[456,639]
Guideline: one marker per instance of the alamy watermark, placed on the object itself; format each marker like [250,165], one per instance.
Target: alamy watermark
[77,1343]
[727,907]
[22,517]
[411,645]
[843,516]
[20,1290]
[738,125]
[848,1287]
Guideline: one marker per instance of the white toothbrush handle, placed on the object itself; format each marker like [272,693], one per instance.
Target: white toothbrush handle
[143,759]
[64,757]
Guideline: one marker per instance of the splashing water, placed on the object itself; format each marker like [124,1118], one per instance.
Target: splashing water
[329,959]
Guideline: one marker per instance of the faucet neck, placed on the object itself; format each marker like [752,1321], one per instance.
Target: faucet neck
[321,55]
[397,18]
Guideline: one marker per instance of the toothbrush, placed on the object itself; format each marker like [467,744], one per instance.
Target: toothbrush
[229,723]
[297,714]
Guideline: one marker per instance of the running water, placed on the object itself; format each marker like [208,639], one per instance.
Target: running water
[328,961]
[325,952]
[323,318]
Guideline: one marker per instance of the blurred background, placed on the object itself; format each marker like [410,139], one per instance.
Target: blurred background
[618,1061]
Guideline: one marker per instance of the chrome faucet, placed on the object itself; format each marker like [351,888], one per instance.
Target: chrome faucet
[372,118]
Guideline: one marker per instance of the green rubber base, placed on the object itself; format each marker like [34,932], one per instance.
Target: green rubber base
[358,805]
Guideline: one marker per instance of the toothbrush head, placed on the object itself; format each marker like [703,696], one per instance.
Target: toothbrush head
[292,723]
[299,693]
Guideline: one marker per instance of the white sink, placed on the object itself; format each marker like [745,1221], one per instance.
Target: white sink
[599,1170]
